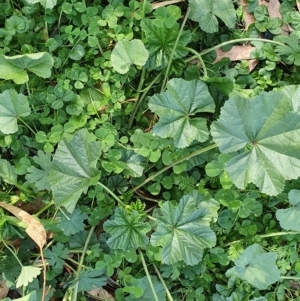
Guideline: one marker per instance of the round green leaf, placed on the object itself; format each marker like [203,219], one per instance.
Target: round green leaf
[127,53]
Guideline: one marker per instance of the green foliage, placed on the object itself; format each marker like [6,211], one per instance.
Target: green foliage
[156,168]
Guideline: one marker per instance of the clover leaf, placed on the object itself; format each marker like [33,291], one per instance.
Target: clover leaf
[183,231]
[206,12]
[45,3]
[266,133]
[289,218]
[127,53]
[175,107]
[256,266]
[12,107]
[73,168]
[16,67]
[127,230]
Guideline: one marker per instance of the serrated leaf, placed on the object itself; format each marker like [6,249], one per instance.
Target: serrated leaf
[256,266]
[127,53]
[16,67]
[71,224]
[134,163]
[28,273]
[206,12]
[266,132]
[176,108]
[73,168]
[183,231]
[127,230]
[159,41]
[289,218]
[40,177]
[12,107]
[88,280]
[55,257]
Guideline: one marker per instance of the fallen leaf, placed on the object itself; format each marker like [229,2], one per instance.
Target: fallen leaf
[298,4]
[165,3]
[236,53]
[252,64]
[3,290]
[263,2]
[35,229]
[274,12]
[248,18]
[101,294]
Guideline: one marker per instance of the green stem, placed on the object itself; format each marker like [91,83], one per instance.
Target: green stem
[27,125]
[100,48]
[148,275]
[163,283]
[233,42]
[141,98]
[290,277]
[199,57]
[112,194]
[45,208]
[12,252]
[193,154]
[75,292]
[265,236]
[173,50]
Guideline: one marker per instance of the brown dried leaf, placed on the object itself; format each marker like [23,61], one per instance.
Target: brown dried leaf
[252,64]
[3,290]
[236,53]
[35,229]
[298,4]
[248,18]
[164,3]
[101,294]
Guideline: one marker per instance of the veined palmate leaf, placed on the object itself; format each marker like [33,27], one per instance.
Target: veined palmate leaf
[266,132]
[127,230]
[256,266]
[159,41]
[28,273]
[127,53]
[73,168]
[175,108]
[45,3]
[289,217]
[12,107]
[183,231]
[206,12]
[16,67]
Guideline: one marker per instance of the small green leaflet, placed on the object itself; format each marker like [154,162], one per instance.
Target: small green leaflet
[159,41]
[7,172]
[73,168]
[28,273]
[267,133]
[127,53]
[40,177]
[45,3]
[12,107]
[175,109]
[206,12]
[127,230]
[256,266]
[16,67]
[183,230]
[289,218]
[69,223]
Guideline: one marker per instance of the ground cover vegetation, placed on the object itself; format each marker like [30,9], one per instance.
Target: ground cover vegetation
[149,150]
